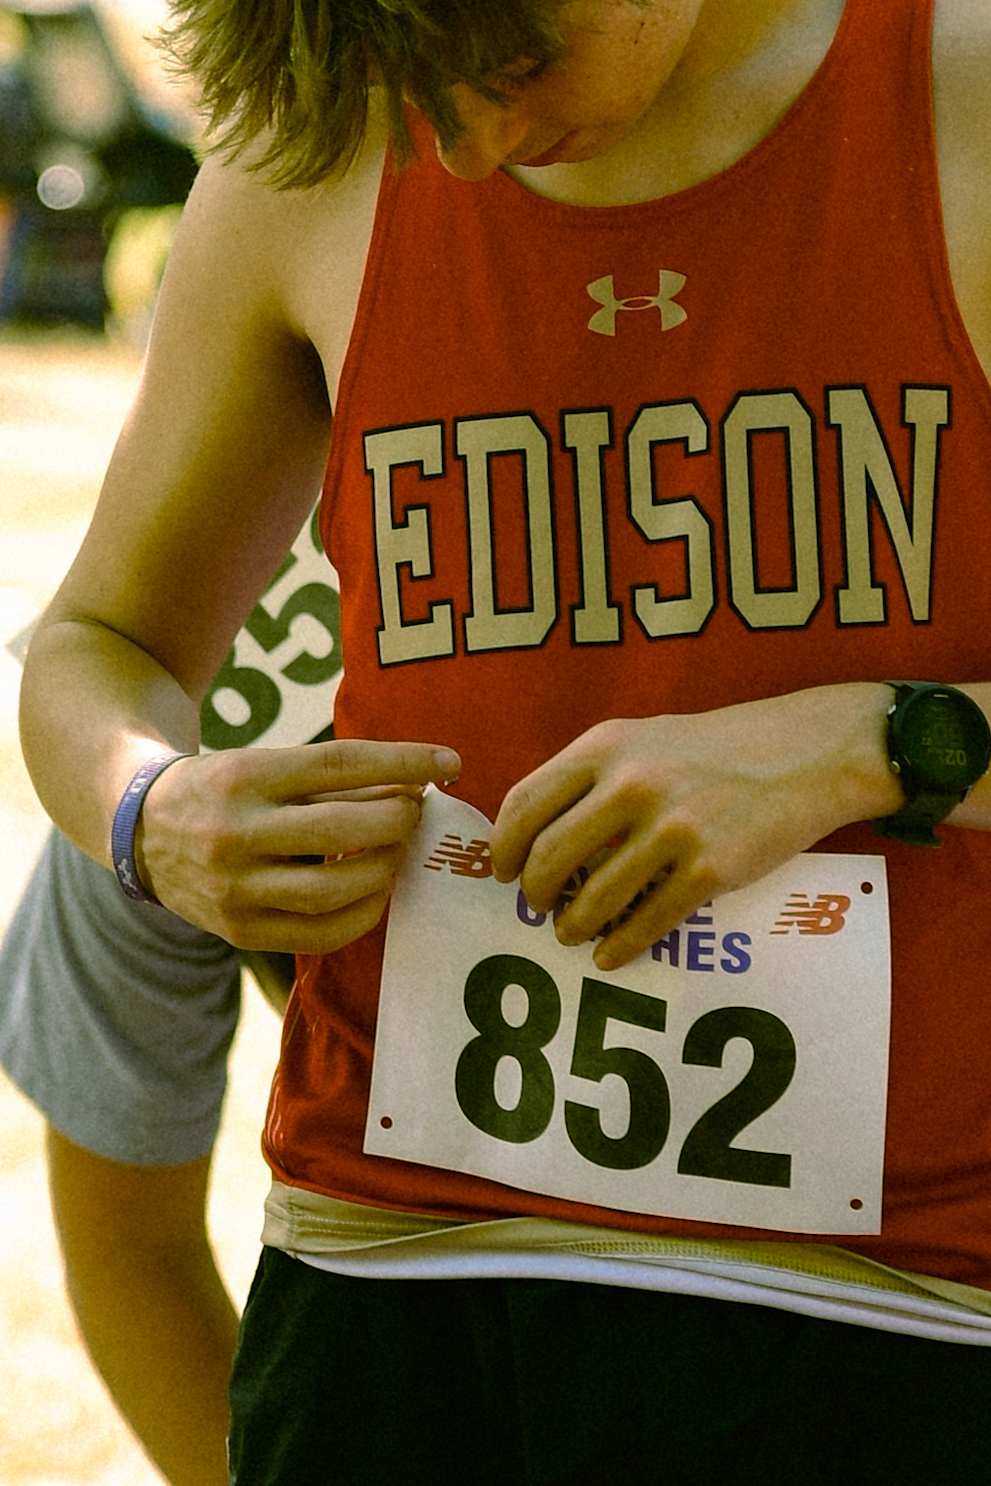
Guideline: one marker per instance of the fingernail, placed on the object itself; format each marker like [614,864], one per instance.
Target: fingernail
[448,764]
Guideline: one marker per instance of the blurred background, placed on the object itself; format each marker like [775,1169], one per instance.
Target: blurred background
[96,157]
[97,152]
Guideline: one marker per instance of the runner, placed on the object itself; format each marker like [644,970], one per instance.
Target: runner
[645,502]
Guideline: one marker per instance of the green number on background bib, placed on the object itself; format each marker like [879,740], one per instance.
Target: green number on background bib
[319,602]
[259,691]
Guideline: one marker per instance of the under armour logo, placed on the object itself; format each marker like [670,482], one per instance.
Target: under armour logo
[827,915]
[603,291]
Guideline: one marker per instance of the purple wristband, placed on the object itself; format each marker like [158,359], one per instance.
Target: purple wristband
[126,823]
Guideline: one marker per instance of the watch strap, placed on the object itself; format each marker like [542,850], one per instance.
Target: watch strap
[914,823]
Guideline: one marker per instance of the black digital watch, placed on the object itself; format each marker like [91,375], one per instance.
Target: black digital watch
[939,745]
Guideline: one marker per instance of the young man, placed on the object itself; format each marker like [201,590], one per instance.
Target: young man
[645,572]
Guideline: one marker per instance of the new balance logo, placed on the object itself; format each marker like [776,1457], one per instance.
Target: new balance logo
[471,860]
[603,291]
[827,915]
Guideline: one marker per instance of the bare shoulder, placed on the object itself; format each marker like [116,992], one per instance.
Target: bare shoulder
[325,262]
[294,256]
[962,94]
[223,452]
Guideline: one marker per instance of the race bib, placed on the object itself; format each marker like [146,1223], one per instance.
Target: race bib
[735,1073]
[277,685]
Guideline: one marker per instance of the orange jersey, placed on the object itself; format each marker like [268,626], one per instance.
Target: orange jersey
[592,463]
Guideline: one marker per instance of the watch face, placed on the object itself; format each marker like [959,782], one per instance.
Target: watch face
[943,739]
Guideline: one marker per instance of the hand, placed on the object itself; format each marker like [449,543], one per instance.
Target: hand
[667,812]
[293,849]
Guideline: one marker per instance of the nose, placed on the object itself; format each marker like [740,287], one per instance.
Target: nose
[491,133]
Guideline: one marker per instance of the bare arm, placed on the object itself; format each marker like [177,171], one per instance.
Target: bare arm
[228,436]
[214,472]
[682,808]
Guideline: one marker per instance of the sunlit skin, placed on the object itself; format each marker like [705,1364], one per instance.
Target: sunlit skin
[618,57]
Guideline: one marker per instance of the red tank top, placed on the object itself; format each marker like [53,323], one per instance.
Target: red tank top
[668,457]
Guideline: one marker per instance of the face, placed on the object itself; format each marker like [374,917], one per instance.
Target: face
[618,57]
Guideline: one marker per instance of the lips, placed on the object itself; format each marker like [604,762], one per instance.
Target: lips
[552,156]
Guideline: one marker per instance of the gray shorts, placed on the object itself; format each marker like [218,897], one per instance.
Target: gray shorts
[116,1018]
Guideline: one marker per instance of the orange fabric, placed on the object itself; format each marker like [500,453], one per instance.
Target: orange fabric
[763,361]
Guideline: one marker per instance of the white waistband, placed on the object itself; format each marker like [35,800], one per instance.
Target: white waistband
[811,1279]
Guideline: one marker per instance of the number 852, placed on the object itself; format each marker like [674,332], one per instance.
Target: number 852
[706,1151]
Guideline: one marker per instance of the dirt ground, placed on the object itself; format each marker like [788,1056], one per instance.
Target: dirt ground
[62,399]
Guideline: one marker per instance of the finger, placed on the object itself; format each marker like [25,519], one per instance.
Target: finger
[662,909]
[349,764]
[372,792]
[613,891]
[336,828]
[307,934]
[573,845]
[530,808]
[317,890]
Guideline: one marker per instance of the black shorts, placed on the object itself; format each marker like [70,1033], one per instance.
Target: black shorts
[369,1382]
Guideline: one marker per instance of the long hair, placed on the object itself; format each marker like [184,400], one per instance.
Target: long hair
[298,72]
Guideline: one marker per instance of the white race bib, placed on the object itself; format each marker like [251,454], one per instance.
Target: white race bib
[735,1073]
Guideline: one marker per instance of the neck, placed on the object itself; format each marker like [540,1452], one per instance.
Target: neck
[742,69]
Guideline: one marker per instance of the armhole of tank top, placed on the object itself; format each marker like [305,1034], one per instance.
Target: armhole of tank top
[382,215]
